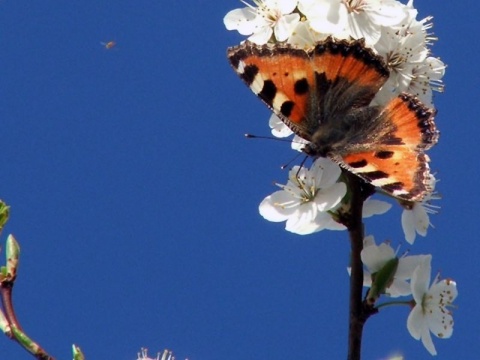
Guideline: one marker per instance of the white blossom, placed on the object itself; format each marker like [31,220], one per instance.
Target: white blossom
[430,313]
[307,197]
[405,50]
[270,17]
[415,215]
[352,18]
[374,257]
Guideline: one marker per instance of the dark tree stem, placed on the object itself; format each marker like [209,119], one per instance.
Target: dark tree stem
[360,311]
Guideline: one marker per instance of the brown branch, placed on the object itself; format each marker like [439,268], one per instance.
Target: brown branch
[16,333]
[360,311]
[6,288]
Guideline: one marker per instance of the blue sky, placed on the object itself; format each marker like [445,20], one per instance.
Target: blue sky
[134,194]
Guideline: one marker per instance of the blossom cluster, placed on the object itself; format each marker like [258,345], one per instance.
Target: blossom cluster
[312,200]
[388,27]
[410,275]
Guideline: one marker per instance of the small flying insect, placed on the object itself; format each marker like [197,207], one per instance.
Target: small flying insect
[108,45]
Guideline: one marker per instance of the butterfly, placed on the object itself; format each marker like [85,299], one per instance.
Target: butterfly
[323,94]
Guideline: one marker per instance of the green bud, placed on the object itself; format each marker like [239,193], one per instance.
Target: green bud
[4,214]
[77,353]
[13,255]
[382,279]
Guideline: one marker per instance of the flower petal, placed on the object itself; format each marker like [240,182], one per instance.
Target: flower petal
[241,20]
[285,25]
[331,224]
[303,222]
[408,225]
[398,288]
[328,17]
[360,26]
[279,129]
[440,323]
[388,12]
[299,143]
[329,198]
[421,280]
[427,341]
[327,171]
[303,36]
[374,257]
[284,6]
[445,289]
[421,219]
[262,35]
[415,322]
[407,265]
[368,241]
[278,206]
[375,207]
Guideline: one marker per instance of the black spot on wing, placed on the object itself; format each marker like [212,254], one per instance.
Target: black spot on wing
[384,154]
[392,140]
[393,186]
[268,92]
[322,84]
[375,175]
[286,108]
[249,73]
[301,86]
[358,164]
[235,56]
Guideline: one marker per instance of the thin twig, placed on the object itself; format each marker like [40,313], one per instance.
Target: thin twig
[17,334]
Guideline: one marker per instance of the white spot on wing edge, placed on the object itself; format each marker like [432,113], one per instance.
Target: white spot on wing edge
[241,67]
[367,168]
[257,84]
[381,182]
[279,99]
[400,192]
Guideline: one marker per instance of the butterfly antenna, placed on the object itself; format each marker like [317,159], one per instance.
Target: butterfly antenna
[284,166]
[251,136]
[298,171]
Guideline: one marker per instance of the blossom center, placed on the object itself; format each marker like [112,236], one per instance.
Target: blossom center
[395,60]
[270,15]
[307,193]
[355,6]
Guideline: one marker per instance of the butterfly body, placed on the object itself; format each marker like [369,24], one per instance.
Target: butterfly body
[324,93]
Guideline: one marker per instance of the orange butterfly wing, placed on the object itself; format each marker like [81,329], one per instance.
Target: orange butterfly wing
[294,82]
[398,164]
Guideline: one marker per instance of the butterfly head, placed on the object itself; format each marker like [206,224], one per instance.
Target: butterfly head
[323,142]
